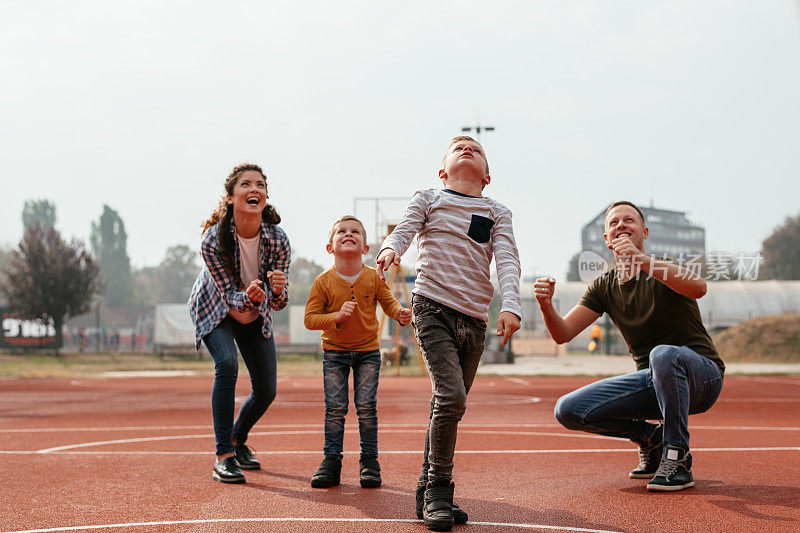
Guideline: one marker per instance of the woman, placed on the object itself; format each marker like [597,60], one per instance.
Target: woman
[230,301]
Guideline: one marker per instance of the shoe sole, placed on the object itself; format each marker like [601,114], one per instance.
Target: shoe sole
[323,484]
[669,488]
[642,476]
[221,479]
[243,467]
[438,525]
[370,483]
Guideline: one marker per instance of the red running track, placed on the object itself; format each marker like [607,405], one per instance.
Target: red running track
[136,455]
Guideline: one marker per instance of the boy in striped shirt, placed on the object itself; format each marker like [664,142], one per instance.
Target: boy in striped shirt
[458,232]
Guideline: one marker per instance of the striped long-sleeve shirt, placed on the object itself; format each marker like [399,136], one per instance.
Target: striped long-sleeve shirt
[457,237]
[215,291]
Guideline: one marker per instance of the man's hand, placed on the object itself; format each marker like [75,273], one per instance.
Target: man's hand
[624,247]
[404,316]
[543,289]
[277,280]
[344,313]
[255,292]
[507,324]
[386,258]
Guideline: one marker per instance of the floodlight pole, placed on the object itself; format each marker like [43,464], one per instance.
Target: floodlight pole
[478,129]
[376,200]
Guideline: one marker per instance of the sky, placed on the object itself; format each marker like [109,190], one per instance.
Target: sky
[146,106]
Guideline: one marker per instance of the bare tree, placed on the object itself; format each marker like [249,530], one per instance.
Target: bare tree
[48,278]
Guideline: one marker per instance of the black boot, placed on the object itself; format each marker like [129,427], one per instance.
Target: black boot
[328,474]
[459,515]
[369,472]
[437,511]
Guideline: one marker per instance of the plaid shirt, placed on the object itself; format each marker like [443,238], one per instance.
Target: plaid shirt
[215,292]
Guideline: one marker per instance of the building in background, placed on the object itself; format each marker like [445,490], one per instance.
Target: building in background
[672,234]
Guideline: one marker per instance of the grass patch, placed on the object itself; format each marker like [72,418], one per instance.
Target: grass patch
[764,339]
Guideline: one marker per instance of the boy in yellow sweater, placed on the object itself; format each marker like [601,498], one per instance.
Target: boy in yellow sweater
[342,303]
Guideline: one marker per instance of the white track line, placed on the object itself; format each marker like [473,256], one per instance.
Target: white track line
[759,400]
[771,380]
[310,432]
[291,520]
[352,426]
[273,453]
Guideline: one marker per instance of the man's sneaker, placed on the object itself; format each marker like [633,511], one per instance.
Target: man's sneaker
[227,471]
[369,472]
[650,452]
[328,473]
[437,510]
[459,515]
[675,472]
[245,457]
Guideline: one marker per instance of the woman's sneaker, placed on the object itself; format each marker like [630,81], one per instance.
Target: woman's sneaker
[245,457]
[675,471]
[227,471]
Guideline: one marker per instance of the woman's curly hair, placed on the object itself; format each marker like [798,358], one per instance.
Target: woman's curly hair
[224,214]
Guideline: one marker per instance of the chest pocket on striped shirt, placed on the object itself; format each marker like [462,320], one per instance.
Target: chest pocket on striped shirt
[480,229]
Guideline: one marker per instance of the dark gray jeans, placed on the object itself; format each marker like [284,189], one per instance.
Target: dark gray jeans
[451,344]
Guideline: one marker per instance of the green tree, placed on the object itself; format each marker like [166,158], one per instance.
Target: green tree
[302,274]
[176,274]
[110,245]
[48,278]
[38,212]
[572,269]
[781,250]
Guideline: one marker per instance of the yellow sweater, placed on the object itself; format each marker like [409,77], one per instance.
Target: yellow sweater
[360,331]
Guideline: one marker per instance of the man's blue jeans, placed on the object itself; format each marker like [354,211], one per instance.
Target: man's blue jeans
[366,367]
[451,344]
[261,361]
[679,382]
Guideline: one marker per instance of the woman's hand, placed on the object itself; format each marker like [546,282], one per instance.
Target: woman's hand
[255,292]
[277,280]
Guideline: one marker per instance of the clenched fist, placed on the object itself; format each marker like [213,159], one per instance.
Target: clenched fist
[543,289]
[345,312]
[404,316]
[277,280]
[255,292]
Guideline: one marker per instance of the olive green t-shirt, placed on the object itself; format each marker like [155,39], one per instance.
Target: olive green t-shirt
[648,313]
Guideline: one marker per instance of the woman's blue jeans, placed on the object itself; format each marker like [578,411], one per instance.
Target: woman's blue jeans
[366,367]
[259,356]
[679,382]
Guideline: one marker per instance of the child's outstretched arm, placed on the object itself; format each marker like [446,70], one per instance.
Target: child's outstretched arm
[506,258]
[396,244]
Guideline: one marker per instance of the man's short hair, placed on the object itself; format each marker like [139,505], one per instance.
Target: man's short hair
[625,202]
[343,219]
[465,138]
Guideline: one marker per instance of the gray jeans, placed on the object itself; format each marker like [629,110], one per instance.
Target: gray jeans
[451,344]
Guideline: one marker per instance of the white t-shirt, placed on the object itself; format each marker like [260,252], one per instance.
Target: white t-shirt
[249,251]
[350,279]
